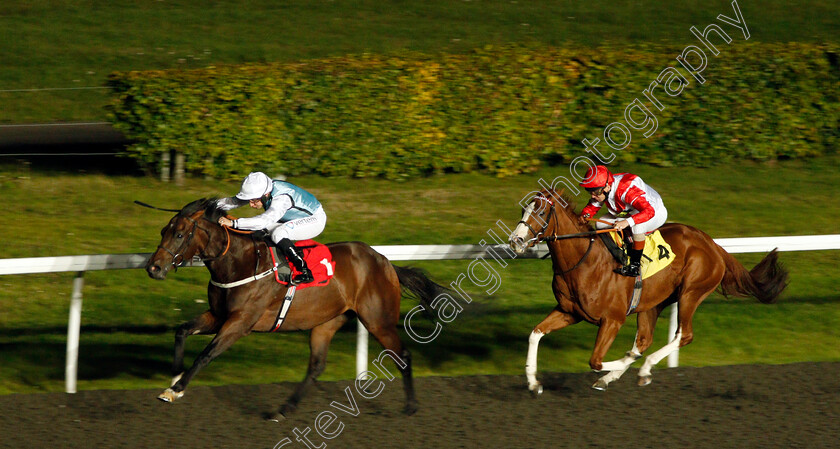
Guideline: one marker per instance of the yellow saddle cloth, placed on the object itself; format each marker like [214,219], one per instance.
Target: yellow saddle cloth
[656,256]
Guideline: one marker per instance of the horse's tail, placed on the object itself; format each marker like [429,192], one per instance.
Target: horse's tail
[419,285]
[765,281]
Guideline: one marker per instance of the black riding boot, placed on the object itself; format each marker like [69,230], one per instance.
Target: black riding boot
[634,268]
[293,255]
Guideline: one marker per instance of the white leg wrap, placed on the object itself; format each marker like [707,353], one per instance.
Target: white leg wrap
[176,379]
[654,358]
[612,376]
[617,368]
[531,362]
[621,364]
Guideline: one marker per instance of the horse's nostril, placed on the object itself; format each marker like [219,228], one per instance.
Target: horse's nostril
[154,269]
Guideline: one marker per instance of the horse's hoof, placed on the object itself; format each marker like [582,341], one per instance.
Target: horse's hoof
[273,417]
[645,380]
[410,409]
[536,391]
[600,385]
[170,395]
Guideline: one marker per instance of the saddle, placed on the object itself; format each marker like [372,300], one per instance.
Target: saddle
[317,257]
[656,256]
[619,253]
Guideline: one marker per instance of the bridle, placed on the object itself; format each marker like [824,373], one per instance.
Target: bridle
[175,255]
[551,215]
[551,238]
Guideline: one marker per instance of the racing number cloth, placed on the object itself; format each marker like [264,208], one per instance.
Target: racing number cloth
[319,260]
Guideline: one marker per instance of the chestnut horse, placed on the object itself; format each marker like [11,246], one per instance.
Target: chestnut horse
[586,288]
[365,282]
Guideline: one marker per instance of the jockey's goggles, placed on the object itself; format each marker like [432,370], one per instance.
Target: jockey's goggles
[595,190]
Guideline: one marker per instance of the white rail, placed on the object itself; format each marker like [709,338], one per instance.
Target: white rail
[80,264]
[31,265]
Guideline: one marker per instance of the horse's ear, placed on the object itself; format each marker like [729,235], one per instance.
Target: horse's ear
[560,193]
[198,214]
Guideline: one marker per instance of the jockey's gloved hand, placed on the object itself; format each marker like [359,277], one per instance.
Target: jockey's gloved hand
[583,219]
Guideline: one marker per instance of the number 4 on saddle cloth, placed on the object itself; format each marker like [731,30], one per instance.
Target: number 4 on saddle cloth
[317,257]
[656,255]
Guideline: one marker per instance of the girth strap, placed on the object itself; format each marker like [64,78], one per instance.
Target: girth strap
[246,280]
[284,308]
[636,296]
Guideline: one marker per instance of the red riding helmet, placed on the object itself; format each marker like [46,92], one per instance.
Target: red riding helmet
[597,176]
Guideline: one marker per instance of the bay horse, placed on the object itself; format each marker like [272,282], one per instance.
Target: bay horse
[364,283]
[586,289]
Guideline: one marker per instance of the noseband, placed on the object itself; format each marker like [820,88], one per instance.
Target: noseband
[536,234]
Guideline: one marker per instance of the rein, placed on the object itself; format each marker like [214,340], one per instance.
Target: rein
[175,255]
[553,238]
[227,238]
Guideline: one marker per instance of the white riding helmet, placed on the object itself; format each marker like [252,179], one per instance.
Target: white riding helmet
[255,185]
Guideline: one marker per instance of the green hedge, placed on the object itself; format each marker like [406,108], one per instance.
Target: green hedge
[499,110]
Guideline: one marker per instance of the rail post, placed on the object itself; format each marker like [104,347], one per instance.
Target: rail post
[361,348]
[674,357]
[73,328]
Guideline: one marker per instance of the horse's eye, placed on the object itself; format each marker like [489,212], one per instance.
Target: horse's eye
[180,236]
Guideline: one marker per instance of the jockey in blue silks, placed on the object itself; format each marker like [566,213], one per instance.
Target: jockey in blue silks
[291,213]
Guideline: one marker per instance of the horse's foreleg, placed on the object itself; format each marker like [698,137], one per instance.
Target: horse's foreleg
[617,368]
[554,321]
[607,332]
[644,337]
[237,326]
[319,343]
[206,323]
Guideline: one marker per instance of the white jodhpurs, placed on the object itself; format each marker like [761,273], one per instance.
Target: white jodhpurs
[641,229]
[301,228]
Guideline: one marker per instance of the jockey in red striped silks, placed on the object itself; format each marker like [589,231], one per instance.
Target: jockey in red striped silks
[624,192]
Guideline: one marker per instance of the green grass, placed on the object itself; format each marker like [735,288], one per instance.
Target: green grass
[61,44]
[128,318]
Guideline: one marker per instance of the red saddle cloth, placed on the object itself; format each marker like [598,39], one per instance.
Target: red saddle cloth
[319,260]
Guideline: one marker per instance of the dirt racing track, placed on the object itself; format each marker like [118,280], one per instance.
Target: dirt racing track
[795,405]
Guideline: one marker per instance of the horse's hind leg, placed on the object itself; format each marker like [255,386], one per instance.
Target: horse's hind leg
[644,337]
[389,339]
[656,357]
[688,303]
[206,323]
[319,344]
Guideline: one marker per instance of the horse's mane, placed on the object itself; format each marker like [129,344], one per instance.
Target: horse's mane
[208,205]
[567,204]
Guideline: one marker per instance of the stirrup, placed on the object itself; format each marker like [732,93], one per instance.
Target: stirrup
[631,270]
[304,277]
